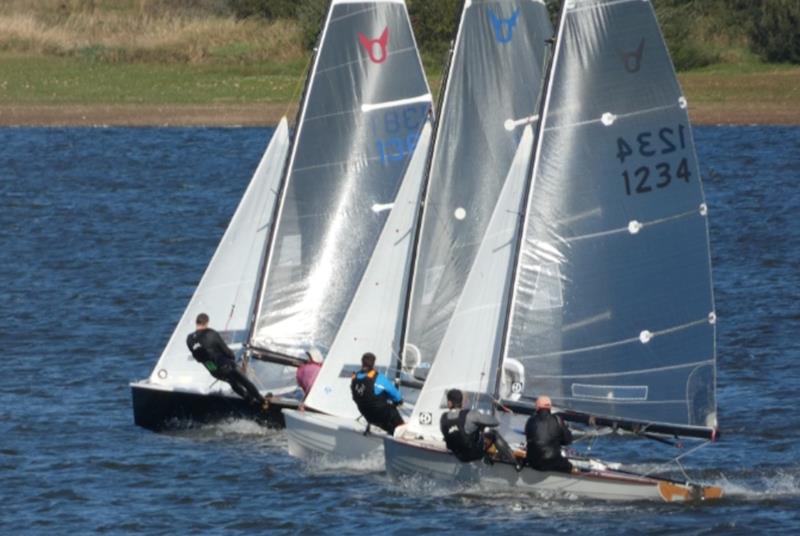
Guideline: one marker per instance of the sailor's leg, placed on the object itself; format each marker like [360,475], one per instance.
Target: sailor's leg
[242,385]
[504,451]
[394,419]
[387,419]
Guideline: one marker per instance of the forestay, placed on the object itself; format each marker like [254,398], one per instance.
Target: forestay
[470,351]
[227,288]
[492,93]
[372,323]
[613,311]
[366,103]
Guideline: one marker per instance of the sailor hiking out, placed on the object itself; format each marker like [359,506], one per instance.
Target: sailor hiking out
[466,435]
[377,398]
[210,350]
[546,434]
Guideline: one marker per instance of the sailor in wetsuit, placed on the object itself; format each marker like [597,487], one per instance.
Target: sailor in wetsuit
[546,434]
[377,398]
[209,349]
[464,434]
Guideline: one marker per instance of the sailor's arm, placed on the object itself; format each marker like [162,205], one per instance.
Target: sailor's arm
[383,383]
[476,419]
[219,343]
[566,435]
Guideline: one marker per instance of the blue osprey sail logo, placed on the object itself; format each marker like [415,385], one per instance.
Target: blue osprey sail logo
[633,60]
[503,28]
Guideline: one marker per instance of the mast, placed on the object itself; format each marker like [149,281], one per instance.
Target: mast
[425,187]
[253,352]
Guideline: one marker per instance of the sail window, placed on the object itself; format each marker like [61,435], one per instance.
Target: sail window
[548,293]
[432,277]
[610,392]
[290,251]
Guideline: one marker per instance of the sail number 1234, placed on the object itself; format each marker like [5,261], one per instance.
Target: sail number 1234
[655,145]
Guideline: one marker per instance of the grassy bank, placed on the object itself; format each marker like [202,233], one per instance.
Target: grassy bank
[191,62]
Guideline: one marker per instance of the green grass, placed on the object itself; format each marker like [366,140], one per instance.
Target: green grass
[69,80]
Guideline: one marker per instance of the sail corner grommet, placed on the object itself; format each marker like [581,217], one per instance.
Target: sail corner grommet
[162,374]
[645,336]
[634,227]
[608,119]
[683,103]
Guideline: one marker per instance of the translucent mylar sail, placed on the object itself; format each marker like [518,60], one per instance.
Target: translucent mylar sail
[613,310]
[366,104]
[492,93]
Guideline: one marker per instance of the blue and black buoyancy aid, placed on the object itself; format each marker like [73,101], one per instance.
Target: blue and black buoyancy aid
[362,388]
[466,447]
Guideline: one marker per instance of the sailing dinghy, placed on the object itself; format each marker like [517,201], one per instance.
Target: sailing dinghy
[179,388]
[364,107]
[497,57]
[602,291]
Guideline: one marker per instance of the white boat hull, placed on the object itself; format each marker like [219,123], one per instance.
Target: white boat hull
[315,435]
[408,458]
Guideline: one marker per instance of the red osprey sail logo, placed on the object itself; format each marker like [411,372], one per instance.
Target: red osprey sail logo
[376,48]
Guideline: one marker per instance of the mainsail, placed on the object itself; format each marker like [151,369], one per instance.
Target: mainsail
[226,290]
[373,321]
[612,311]
[492,93]
[366,104]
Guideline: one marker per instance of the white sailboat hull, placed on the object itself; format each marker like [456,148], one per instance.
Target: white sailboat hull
[432,461]
[315,435]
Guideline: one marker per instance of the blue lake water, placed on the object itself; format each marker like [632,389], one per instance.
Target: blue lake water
[105,232]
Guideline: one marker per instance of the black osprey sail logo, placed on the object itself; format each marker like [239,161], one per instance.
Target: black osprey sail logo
[633,60]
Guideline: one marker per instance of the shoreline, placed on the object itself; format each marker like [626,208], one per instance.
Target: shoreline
[269,114]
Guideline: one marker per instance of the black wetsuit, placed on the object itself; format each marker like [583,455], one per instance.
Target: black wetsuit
[546,434]
[208,348]
[462,433]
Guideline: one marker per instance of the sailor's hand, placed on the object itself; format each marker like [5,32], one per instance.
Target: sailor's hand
[593,421]
[398,404]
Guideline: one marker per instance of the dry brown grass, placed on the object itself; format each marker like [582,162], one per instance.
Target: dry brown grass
[143,30]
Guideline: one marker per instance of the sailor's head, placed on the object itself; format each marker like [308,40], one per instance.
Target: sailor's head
[455,399]
[543,403]
[313,355]
[201,321]
[368,361]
